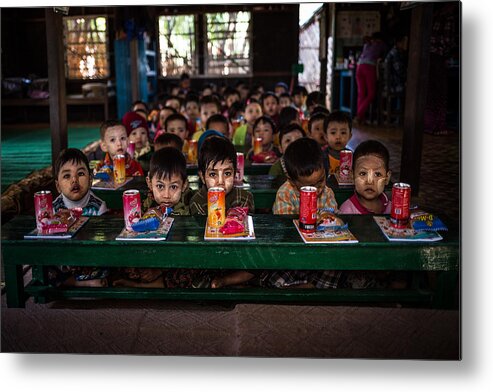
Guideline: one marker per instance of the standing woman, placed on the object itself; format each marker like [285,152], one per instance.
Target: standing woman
[366,73]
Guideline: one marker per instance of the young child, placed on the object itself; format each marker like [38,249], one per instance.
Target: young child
[168,140]
[337,126]
[209,105]
[164,113]
[242,138]
[299,100]
[315,98]
[316,130]
[264,128]
[192,112]
[285,100]
[281,88]
[287,135]
[114,142]
[219,123]
[177,124]
[304,163]
[217,166]
[73,181]
[167,181]
[137,132]
[270,106]
[230,96]
[370,173]
[174,102]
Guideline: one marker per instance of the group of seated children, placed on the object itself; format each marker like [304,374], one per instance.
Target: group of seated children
[305,160]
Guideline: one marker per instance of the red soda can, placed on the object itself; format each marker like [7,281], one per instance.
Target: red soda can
[131,149]
[345,165]
[401,201]
[240,167]
[43,208]
[131,207]
[257,145]
[308,209]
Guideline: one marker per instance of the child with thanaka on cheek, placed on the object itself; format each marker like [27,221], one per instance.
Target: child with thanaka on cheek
[167,181]
[242,138]
[73,181]
[217,166]
[338,131]
[114,142]
[264,129]
[304,162]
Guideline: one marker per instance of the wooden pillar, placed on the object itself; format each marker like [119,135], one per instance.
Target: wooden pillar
[323,50]
[416,91]
[56,80]
[134,69]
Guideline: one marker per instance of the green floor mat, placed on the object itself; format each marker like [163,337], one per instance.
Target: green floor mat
[24,151]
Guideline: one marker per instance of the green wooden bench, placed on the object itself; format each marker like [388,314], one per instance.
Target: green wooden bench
[277,246]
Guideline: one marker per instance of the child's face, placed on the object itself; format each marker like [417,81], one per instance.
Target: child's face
[73,180]
[220,127]
[192,110]
[289,138]
[252,112]
[167,191]
[174,103]
[231,99]
[278,90]
[338,135]
[316,179]
[270,106]
[298,100]
[370,177]
[178,127]
[207,110]
[220,174]
[139,137]
[284,102]
[115,141]
[163,115]
[264,131]
[317,132]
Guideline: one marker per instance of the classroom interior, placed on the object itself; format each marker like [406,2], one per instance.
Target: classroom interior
[316,46]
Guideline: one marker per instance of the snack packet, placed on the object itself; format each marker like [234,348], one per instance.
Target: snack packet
[326,219]
[424,221]
[235,221]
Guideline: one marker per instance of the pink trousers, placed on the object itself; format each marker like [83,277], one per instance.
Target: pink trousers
[366,80]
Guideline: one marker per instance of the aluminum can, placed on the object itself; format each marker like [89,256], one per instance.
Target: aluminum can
[43,208]
[192,151]
[401,201]
[131,149]
[240,168]
[257,145]
[119,169]
[131,208]
[345,165]
[308,209]
[216,206]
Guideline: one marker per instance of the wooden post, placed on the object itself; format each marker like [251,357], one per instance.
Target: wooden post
[56,80]
[323,50]
[416,90]
[134,69]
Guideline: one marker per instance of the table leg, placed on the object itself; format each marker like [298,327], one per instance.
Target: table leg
[39,276]
[14,284]
[445,296]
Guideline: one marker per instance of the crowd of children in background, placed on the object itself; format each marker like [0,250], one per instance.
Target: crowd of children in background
[295,133]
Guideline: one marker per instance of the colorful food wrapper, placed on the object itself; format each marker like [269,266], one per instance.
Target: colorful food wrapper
[235,220]
[424,221]
[326,219]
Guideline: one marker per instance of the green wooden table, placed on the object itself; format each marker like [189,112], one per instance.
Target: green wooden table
[263,187]
[277,246]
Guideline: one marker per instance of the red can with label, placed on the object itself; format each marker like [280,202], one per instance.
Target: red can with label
[216,206]
[131,207]
[119,169]
[401,201]
[240,168]
[308,209]
[43,208]
[131,149]
[257,145]
[345,164]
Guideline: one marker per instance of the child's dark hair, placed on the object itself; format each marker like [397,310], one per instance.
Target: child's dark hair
[372,147]
[228,91]
[192,97]
[173,117]
[236,107]
[70,155]
[173,97]
[138,102]
[216,118]
[216,149]
[286,95]
[286,115]
[169,139]
[320,109]
[290,128]
[316,117]
[339,117]
[109,124]
[267,94]
[265,119]
[300,90]
[172,109]
[315,98]
[166,162]
[211,99]
[302,158]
